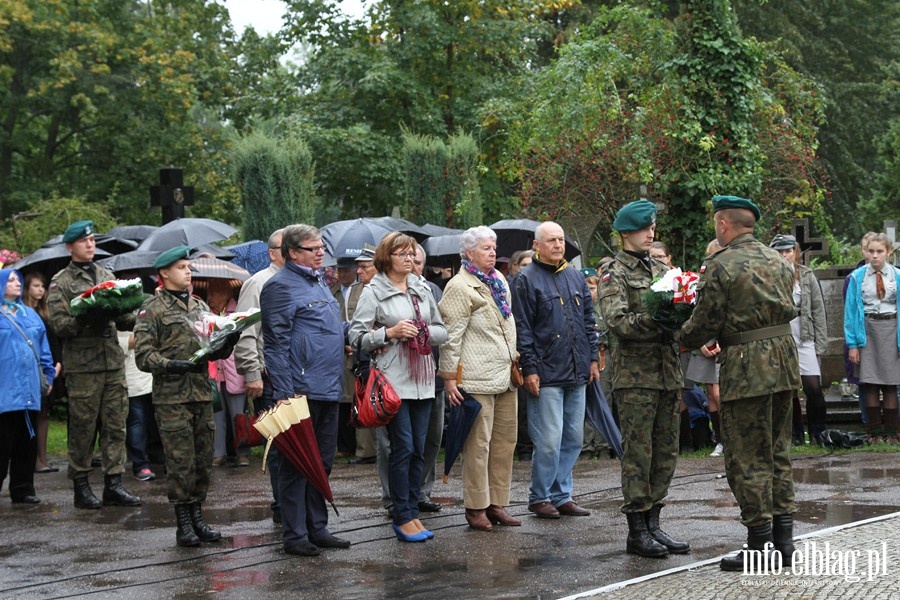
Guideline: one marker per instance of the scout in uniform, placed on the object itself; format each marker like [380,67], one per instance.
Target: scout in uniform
[95,373]
[182,399]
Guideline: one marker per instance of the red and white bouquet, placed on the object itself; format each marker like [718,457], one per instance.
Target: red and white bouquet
[213,330]
[111,298]
[672,297]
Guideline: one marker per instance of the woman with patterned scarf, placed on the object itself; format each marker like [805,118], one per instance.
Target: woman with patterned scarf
[477,358]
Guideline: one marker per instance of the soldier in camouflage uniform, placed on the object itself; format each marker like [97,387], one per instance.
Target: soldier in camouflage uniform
[95,373]
[646,383]
[182,398]
[744,300]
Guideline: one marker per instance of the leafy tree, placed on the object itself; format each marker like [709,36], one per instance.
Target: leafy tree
[29,230]
[688,107]
[275,176]
[442,180]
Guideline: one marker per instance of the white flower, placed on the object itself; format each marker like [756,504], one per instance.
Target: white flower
[668,281]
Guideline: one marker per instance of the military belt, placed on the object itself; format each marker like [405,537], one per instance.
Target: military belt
[755,335]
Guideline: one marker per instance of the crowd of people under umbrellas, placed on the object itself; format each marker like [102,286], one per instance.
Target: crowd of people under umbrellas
[535,323]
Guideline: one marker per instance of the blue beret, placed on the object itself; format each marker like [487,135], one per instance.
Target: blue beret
[78,230]
[171,256]
[635,216]
[722,202]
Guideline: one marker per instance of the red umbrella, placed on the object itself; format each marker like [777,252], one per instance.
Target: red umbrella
[288,425]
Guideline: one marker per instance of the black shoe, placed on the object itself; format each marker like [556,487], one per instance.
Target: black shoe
[302,549]
[757,552]
[184,533]
[276,516]
[673,546]
[29,499]
[115,494]
[201,527]
[640,541]
[84,496]
[429,506]
[96,463]
[330,541]
[362,460]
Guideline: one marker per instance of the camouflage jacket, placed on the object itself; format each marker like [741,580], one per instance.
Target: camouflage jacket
[744,287]
[163,333]
[86,348]
[640,356]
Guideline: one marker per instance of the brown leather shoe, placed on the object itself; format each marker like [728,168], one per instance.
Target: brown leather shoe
[544,510]
[499,516]
[477,519]
[570,509]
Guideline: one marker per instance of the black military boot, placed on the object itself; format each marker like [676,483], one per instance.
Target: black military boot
[639,540]
[201,527]
[783,537]
[673,546]
[759,551]
[184,535]
[114,494]
[84,495]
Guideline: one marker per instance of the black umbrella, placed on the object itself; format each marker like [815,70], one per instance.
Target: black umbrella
[211,250]
[598,414]
[518,234]
[434,230]
[50,260]
[346,239]
[135,233]
[137,260]
[461,419]
[442,250]
[187,232]
[105,241]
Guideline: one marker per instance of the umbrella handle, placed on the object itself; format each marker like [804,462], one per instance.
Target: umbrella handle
[266,452]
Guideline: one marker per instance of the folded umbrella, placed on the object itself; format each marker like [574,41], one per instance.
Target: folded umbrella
[462,418]
[289,427]
[598,414]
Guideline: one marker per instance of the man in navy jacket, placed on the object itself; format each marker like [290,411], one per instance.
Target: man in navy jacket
[303,345]
[558,351]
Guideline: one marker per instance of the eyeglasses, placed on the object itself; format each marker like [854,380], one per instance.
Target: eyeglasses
[404,255]
[314,249]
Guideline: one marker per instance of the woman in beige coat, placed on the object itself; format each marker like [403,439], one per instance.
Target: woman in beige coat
[477,357]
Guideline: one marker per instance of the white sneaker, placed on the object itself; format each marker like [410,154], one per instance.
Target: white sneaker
[718,450]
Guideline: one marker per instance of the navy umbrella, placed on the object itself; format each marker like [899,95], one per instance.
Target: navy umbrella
[518,234]
[462,418]
[346,239]
[598,414]
[252,255]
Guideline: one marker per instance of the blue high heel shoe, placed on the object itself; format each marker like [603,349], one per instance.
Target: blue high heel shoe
[416,537]
[428,534]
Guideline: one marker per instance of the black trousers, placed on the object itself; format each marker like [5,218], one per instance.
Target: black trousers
[18,451]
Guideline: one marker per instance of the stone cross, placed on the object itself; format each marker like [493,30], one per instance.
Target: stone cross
[809,246]
[171,194]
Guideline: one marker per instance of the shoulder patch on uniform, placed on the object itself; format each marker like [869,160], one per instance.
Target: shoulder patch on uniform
[53,285]
[606,277]
[143,312]
[703,268]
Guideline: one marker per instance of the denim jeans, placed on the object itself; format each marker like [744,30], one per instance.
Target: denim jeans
[137,431]
[407,431]
[556,427]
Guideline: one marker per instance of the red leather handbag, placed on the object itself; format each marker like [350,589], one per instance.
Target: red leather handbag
[376,402]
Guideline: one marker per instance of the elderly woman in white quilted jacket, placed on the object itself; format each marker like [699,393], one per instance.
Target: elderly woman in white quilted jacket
[476,358]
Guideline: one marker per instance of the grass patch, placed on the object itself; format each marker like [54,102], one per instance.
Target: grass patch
[57,438]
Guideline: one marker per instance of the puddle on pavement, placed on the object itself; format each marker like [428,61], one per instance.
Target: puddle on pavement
[839,512]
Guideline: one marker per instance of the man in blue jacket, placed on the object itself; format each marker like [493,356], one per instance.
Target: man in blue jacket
[303,346]
[558,351]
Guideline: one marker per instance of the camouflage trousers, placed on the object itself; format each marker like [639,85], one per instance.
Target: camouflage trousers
[97,398]
[649,421]
[757,436]
[187,432]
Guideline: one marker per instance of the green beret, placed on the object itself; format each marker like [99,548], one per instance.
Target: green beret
[635,216]
[172,255]
[722,202]
[589,272]
[78,230]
